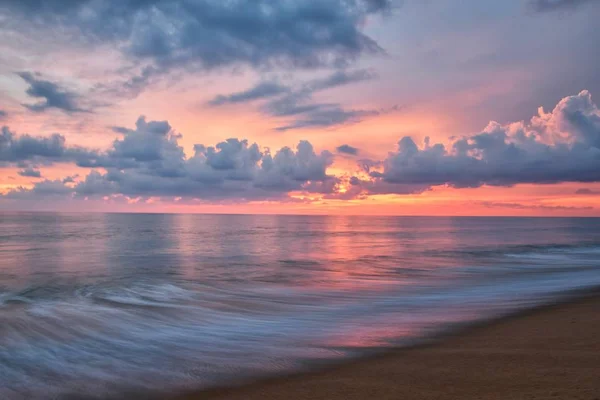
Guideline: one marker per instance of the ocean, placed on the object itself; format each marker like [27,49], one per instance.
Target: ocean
[100,305]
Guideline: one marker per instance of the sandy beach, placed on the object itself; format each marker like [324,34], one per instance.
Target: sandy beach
[549,353]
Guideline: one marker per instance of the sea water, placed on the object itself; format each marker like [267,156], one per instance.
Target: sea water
[99,305]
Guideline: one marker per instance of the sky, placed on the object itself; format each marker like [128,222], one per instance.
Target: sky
[373,107]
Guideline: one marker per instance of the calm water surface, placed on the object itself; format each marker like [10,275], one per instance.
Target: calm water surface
[104,304]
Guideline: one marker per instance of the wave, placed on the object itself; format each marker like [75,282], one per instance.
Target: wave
[592,247]
[102,339]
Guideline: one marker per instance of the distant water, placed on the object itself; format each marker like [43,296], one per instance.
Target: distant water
[106,304]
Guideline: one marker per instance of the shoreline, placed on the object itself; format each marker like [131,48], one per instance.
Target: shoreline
[542,346]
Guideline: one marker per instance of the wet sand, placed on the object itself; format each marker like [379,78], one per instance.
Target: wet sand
[550,353]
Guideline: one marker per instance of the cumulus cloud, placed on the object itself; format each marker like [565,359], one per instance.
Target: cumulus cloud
[347,149]
[557,5]
[561,146]
[147,161]
[53,95]
[296,104]
[233,169]
[3,114]
[15,149]
[208,34]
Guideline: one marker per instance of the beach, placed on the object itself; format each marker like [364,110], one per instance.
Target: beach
[549,353]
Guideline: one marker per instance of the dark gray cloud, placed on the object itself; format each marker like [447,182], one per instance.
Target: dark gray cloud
[16,149]
[304,90]
[70,179]
[347,149]
[3,114]
[30,172]
[209,34]
[297,104]
[304,112]
[327,115]
[52,94]
[562,146]
[557,5]
[262,90]
[339,78]
[586,191]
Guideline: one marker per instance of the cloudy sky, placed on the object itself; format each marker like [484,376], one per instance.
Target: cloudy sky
[414,107]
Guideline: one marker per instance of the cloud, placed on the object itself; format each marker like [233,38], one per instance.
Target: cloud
[30,172]
[41,191]
[304,90]
[70,179]
[297,104]
[149,142]
[370,187]
[15,149]
[52,94]
[347,149]
[339,78]
[233,169]
[586,191]
[261,91]
[209,34]
[519,206]
[326,115]
[557,5]
[3,114]
[303,112]
[147,161]
[561,146]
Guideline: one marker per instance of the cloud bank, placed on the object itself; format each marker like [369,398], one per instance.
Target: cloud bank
[560,146]
[147,161]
